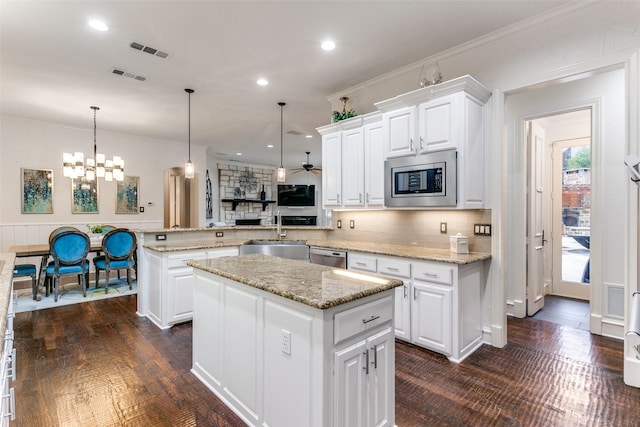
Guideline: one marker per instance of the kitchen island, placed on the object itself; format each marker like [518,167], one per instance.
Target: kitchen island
[288,343]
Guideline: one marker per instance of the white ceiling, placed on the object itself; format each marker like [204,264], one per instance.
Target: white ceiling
[54,66]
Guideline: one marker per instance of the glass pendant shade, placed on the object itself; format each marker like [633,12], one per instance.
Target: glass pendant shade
[189,170]
[281,174]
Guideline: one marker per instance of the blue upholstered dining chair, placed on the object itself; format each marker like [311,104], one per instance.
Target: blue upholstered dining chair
[118,247]
[24,270]
[69,251]
[48,280]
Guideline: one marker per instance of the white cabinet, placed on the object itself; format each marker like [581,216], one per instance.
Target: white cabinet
[332,169]
[353,167]
[338,367]
[353,163]
[364,372]
[439,307]
[445,116]
[8,368]
[400,132]
[168,283]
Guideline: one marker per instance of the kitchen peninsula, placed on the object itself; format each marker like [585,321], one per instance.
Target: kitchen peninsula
[288,343]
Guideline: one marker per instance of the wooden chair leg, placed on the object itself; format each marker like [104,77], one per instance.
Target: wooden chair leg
[129,277]
[85,283]
[97,276]
[34,286]
[106,281]
[56,282]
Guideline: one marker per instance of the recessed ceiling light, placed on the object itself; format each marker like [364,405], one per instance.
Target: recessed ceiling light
[308,136]
[270,146]
[98,25]
[262,82]
[238,154]
[328,45]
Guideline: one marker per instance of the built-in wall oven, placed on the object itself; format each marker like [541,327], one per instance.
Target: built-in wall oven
[424,180]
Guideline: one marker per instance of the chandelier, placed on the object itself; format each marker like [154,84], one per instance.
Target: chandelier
[74,166]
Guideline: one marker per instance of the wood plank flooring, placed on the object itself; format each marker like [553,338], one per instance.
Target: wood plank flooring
[98,364]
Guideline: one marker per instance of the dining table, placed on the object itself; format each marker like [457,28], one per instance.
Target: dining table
[42,250]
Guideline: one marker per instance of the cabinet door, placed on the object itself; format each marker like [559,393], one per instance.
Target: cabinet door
[438,123]
[350,385]
[402,312]
[400,132]
[374,164]
[352,167]
[381,379]
[431,316]
[180,294]
[332,169]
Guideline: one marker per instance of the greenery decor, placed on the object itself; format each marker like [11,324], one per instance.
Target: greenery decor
[337,115]
[95,229]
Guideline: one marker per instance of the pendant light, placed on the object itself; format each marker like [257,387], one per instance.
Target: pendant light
[73,165]
[189,168]
[281,175]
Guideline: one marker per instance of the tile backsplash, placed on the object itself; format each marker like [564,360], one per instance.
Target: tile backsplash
[420,228]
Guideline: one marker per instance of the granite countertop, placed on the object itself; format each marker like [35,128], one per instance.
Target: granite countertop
[406,251]
[311,284]
[194,245]
[7,260]
[232,227]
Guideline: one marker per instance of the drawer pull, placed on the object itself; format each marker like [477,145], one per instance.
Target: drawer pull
[362,264]
[431,274]
[405,291]
[392,269]
[371,319]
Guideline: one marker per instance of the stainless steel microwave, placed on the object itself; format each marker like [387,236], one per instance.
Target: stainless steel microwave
[424,180]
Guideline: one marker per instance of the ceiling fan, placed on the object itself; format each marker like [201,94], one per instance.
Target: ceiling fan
[307,167]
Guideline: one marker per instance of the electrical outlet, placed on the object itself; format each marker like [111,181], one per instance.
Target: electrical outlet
[286,342]
[339,223]
[443,227]
[219,233]
[482,229]
[352,224]
[161,237]
[141,209]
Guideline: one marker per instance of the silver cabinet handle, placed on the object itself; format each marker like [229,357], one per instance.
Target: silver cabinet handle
[367,198]
[405,291]
[360,263]
[371,319]
[392,269]
[338,198]
[421,144]
[366,361]
[375,356]
[411,141]
[415,294]
[430,274]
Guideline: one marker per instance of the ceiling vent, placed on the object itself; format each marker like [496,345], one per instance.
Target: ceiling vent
[123,73]
[294,132]
[148,49]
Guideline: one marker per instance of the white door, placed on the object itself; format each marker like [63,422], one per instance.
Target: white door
[331,169]
[350,385]
[431,316]
[352,167]
[535,233]
[381,375]
[374,164]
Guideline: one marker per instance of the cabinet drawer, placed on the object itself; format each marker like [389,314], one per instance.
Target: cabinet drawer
[180,260]
[394,267]
[359,319]
[361,262]
[435,273]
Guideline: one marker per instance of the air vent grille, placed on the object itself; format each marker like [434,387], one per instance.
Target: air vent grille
[150,50]
[124,73]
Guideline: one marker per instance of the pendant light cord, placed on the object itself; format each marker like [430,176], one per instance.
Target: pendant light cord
[95,145]
[281,104]
[189,91]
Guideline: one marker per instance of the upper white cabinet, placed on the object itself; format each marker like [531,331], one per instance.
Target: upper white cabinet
[353,163]
[445,116]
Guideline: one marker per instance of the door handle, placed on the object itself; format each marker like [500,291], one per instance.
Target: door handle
[543,239]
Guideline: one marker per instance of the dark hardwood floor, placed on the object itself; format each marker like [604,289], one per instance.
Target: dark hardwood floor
[98,364]
[565,311]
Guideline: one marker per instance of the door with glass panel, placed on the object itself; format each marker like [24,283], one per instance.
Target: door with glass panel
[571,217]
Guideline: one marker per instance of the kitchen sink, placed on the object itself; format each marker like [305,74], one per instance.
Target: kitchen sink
[291,249]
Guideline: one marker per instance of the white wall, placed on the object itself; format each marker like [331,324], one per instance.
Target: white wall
[39,145]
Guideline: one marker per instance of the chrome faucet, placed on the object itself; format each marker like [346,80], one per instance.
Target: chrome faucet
[279,226]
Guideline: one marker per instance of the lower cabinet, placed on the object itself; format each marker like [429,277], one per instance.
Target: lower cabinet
[8,369]
[440,305]
[364,371]
[277,362]
[169,283]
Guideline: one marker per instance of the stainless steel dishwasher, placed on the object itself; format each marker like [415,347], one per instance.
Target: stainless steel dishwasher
[330,257]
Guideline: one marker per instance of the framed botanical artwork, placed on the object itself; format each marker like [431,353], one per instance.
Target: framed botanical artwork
[84,196]
[127,195]
[37,191]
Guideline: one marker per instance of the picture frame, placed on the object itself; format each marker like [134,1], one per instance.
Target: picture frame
[84,196]
[127,195]
[37,191]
